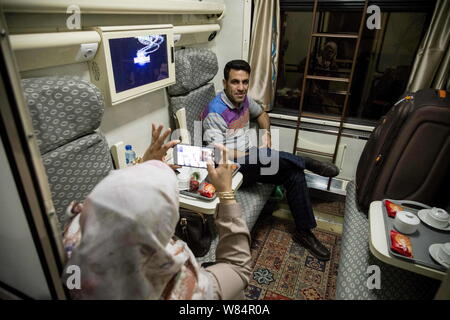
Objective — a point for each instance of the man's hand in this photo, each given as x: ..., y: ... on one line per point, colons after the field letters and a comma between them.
x: 264, y: 124
x: 266, y: 140
x: 157, y: 149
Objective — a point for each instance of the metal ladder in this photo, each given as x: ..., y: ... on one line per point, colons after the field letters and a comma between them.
x: 315, y: 34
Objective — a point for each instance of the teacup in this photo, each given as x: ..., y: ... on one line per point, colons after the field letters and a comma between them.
x: 406, y: 222
x: 438, y: 217
x: 443, y: 252
x: 184, y: 178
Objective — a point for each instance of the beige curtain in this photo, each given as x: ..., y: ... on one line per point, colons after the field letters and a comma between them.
x: 431, y: 66
x: 264, y: 51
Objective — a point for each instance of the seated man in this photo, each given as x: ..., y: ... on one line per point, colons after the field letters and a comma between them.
x: 226, y: 121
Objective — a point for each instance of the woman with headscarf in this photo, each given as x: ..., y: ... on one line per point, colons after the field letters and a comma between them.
x: 126, y: 249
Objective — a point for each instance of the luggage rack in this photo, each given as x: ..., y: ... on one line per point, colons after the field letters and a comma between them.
x: 348, y: 80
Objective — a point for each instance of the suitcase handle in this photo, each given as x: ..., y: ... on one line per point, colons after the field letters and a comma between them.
x: 415, y: 203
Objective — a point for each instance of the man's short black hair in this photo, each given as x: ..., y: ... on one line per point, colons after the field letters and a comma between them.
x: 235, y: 65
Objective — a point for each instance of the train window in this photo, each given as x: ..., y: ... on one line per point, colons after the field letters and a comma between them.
x: 382, y: 69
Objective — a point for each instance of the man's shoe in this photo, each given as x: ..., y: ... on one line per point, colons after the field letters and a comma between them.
x: 324, y: 169
x: 309, y: 241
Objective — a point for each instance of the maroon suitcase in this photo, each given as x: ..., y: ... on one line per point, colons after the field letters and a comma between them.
x: 407, y: 155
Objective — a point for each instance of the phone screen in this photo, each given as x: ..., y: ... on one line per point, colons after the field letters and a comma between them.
x: 193, y: 156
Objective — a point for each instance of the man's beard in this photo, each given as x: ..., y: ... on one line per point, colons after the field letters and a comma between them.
x: 233, y: 100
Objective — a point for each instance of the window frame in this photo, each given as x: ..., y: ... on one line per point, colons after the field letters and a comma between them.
x: 346, y: 5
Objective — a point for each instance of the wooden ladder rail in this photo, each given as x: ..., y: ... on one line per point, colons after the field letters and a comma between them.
x: 306, y: 76
x: 349, y: 86
x: 305, y: 73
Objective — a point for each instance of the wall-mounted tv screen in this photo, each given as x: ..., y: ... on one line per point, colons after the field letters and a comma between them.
x: 133, y: 61
x: 137, y: 61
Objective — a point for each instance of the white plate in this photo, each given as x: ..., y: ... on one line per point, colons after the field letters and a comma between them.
x: 424, y: 217
x: 433, y: 249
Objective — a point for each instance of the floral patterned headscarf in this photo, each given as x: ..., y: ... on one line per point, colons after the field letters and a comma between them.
x: 126, y: 250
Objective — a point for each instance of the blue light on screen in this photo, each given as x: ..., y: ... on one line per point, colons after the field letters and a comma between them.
x: 141, y: 59
x: 138, y: 61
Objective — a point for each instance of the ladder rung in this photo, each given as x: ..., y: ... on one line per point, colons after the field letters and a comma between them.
x: 336, y: 35
x: 319, y: 153
x: 339, y: 70
x: 344, y: 92
x: 327, y: 78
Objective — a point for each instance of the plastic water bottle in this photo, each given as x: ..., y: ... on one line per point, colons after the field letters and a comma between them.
x: 130, y: 155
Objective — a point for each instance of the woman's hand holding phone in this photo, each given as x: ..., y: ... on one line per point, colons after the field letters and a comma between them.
x: 221, y: 177
x: 157, y: 149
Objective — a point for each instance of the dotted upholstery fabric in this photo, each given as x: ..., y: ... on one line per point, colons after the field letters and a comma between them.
x: 65, y: 113
x: 194, y: 103
x: 193, y: 68
x: 62, y: 109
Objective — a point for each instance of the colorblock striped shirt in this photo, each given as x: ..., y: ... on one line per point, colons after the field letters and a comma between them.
x: 227, y: 124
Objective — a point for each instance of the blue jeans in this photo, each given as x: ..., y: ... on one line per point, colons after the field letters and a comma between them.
x: 289, y: 174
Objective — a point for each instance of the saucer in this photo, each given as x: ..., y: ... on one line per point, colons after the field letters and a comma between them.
x: 433, y: 249
x: 424, y: 217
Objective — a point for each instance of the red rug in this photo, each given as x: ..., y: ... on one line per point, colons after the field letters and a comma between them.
x: 283, y: 270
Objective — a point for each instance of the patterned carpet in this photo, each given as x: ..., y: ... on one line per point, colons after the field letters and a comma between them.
x: 283, y: 270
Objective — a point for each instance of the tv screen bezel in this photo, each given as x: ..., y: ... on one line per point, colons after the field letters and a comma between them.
x: 117, y: 97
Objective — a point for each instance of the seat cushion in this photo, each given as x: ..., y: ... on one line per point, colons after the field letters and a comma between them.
x: 194, y: 102
x: 252, y: 200
x: 194, y: 67
x: 62, y: 109
x: 74, y: 169
x: 355, y: 258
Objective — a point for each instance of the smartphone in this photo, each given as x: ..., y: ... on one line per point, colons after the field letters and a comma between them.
x: 194, y: 156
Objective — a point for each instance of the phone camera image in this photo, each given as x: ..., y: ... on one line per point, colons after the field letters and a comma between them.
x: 207, y: 155
x: 193, y: 156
